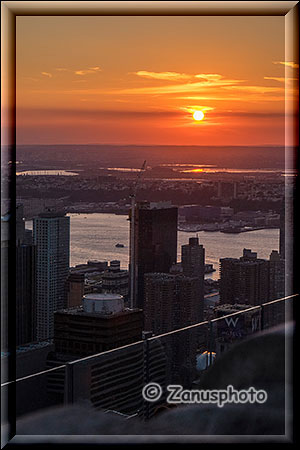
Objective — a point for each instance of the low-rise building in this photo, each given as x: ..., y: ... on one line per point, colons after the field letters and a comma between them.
x: 115, y: 280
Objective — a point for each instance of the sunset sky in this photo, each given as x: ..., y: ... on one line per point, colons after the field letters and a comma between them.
x: 138, y: 80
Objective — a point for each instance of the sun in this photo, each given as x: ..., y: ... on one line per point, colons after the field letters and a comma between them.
x: 198, y: 115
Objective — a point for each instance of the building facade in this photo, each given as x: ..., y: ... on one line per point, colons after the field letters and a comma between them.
x: 75, y: 289
x: 232, y: 330
x: 100, y: 324
x: 115, y: 280
x: 51, y: 234
x: 172, y: 302
x: 250, y: 280
x: 112, y: 381
x: 193, y: 265
x: 153, y: 243
x: 25, y: 282
x: 25, y: 294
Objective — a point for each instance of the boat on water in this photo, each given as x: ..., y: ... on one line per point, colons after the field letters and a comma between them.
x: 190, y: 229
x: 233, y: 230
x: 210, y: 227
x: 241, y: 229
x: 209, y: 268
x: 120, y: 245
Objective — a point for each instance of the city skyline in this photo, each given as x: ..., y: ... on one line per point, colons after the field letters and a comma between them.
x: 138, y: 80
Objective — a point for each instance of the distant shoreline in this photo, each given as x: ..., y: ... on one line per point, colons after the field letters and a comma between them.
x: 228, y: 232
x: 194, y: 230
x: 87, y: 212
x: 132, y: 155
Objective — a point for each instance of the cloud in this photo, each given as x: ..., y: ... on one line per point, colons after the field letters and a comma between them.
x: 288, y: 64
x: 280, y: 79
x: 47, y: 74
x: 208, y: 81
x: 210, y: 97
x: 61, y: 69
x: 96, y: 114
x: 209, y: 76
x: 254, y: 89
x: 253, y: 114
x: 178, y: 117
x: 192, y: 109
x: 215, y: 113
x: 170, y: 76
x: 87, y: 71
x: 175, y: 76
x: 195, y: 87
x: 230, y: 97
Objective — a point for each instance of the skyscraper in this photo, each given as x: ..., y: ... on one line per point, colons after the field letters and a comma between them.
x: 193, y: 265
x: 6, y: 251
x: 288, y: 236
x: 20, y: 224
x: 250, y: 280
x: 100, y: 324
x: 192, y: 258
x: 112, y: 381
x: 276, y: 276
x: 25, y: 294
x: 153, y: 244
x: 244, y: 280
x: 51, y: 233
x: 172, y: 302
x: 25, y: 282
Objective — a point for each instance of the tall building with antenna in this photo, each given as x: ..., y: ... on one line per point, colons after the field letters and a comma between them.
x: 133, y: 264
x: 153, y: 240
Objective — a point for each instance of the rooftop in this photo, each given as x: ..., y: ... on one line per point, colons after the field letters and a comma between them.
x: 29, y: 347
x: 229, y: 307
x: 156, y: 205
x: 51, y: 214
x: 103, y: 296
x: 78, y: 310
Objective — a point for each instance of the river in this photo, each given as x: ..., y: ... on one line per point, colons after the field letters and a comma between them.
x: 94, y: 236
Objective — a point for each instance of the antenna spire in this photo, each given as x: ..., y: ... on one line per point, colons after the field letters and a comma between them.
x: 133, y: 268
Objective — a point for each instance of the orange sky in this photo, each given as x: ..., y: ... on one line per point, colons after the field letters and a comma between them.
x: 138, y: 80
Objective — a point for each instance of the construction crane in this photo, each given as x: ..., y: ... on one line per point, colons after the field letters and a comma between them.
x: 133, y: 268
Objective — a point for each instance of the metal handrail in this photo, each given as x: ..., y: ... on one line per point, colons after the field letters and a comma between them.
x: 196, y: 325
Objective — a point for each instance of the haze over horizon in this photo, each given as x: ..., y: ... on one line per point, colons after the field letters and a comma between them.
x: 97, y: 156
